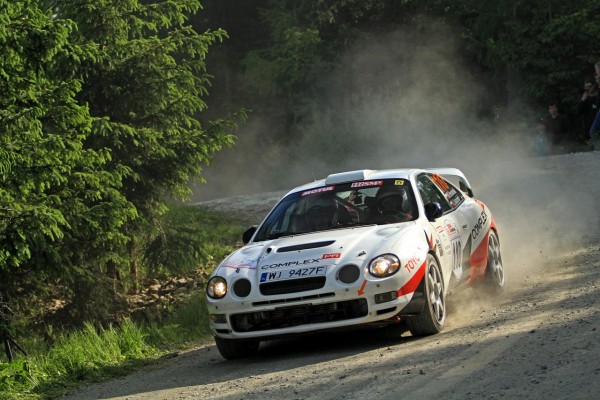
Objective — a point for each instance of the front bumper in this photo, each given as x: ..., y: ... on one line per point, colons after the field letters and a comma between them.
x: 309, y: 312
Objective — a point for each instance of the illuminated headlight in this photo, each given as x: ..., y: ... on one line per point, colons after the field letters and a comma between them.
x: 216, y: 287
x: 384, y: 265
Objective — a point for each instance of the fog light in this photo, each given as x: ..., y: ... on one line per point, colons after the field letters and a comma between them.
x: 217, y: 318
x: 349, y: 273
x: 385, y: 297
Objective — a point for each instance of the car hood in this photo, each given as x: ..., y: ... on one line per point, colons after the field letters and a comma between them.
x: 329, y: 248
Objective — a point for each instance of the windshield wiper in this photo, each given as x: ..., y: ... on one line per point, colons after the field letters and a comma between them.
x: 278, y: 235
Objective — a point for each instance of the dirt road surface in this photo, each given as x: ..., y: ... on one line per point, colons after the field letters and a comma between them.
x: 538, y: 340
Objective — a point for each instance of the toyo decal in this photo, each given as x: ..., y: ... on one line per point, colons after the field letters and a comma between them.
x: 413, y: 283
x: 412, y: 263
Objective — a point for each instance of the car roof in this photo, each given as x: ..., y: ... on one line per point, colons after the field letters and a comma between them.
x: 358, y: 175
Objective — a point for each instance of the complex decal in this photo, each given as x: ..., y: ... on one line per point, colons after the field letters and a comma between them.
x: 479, y: 225
x: 291, y: 263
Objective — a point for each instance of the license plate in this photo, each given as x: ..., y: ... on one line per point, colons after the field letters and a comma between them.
x: 296, y: 273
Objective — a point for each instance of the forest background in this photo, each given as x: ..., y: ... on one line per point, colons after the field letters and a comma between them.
x: 106, y: 129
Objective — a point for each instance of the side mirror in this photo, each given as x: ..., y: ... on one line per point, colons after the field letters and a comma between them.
x: 433, y: 211
x: 248, y: 233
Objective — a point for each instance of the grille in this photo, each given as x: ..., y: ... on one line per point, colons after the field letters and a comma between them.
x: 292, y: 286
x: 299, y: 315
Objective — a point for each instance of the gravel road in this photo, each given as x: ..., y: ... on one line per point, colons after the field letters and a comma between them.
x: 538, y: 340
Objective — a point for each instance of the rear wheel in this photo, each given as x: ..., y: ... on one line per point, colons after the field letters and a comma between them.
x: 494, y: 273
x: 433, y: 317
x: 232, y: 349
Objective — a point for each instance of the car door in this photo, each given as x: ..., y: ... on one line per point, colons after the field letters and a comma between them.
x: 451, y: 226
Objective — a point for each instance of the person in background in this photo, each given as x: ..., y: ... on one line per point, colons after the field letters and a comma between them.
x: 541, y: 140
x: 588, y: 107
x: 594, y: 132
x: 557, y: 129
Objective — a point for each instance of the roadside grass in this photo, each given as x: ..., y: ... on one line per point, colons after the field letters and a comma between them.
x: 94, y: 354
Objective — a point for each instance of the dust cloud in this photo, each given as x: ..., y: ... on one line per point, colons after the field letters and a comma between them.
x: 404, y: 100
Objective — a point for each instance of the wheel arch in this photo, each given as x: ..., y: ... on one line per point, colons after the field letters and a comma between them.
x: 417, y: 302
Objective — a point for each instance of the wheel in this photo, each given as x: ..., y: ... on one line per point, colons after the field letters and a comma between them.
x: 433, y: 317
x: 235, y: 348
x: 494, y: 271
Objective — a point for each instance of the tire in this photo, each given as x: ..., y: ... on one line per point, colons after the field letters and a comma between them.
x: 432, y: 318
x: 232, y: 349
x: 494, y: 270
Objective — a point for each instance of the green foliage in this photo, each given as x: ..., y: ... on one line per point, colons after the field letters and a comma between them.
x: 100, y: 125
x: 188, y: 237
x: 15, y: 377
x: 550, y: 44
x: 56, y: 196
x: 188, y: 323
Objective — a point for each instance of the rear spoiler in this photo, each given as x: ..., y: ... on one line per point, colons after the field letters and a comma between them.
x: 454, y: 176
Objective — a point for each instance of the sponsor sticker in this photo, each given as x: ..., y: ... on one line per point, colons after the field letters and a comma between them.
x: 366, y: 184
x: 399, y: 182
x: 308, y: 261
x: 451, y: 229
x: 319, y: 190
x: 246, y: 264
x: 479, y: 225
x: 331, y: 255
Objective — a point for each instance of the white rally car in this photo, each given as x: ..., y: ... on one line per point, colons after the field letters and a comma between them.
x: 359, y: 247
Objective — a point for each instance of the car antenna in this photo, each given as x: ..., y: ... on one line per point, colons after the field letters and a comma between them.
x: 314, y: 177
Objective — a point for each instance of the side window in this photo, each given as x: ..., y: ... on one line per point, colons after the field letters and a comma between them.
x: 452, y: 195
x: 431, y: 193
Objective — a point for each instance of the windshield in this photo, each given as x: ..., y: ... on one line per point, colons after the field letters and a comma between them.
x: 337, y: 207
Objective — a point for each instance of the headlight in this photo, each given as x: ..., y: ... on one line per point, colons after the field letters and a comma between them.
x: 216, y: 287
x: 384, y: 265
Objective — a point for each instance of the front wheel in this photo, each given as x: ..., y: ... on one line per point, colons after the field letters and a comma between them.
x: 232, y: 349
x: 433, y: 317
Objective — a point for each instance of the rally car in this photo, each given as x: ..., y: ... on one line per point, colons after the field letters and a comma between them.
x: 359, y: 247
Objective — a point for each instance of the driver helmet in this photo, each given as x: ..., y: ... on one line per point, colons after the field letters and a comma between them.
x: 321, y: 212
x: 391, y: 199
